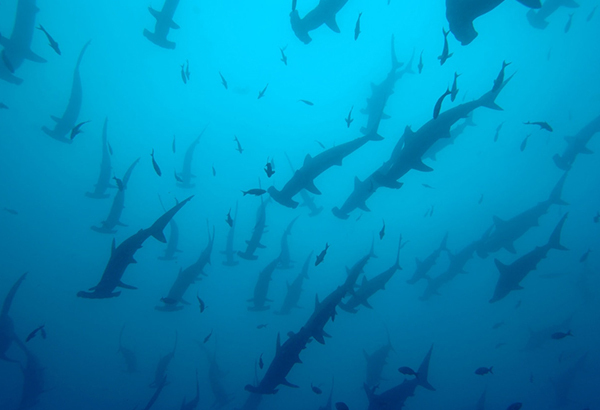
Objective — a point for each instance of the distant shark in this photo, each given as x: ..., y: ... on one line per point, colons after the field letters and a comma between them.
x: 17, y: 48
x: 259, y: 228
x: 461, y: 13
x: 123, y: 255
x: 324, y: 13
x: 577, y: 145
x: 537, y: 18
x: 164, y: 23
x: 186, y: 172
x: 512, y: 275
x: 7, y: 327
x: 294, y: 290
x: 259, y: 300
x: 186, y: 277
x: 229, y: 252
x: 395, y: 397
x: 376, y: 361
x: 103, y: 183
x: 65, y: 124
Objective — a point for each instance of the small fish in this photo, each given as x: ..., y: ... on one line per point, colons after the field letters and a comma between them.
x: 484, y: 370
x: 177, y: 178
x: 382, y: 232
x: 315, y: 389
x: 269, y: 169
x: 524, y: 143
x: 254, y: 191
x: 155, y: 165
x: 183, y: 76
x: 214, y: 171
x: 498, y: 128
x: 187, y: 69
x: 428, y: 186
x: 498, y: 325
x: 321, y: 256
x: 438, y: 104
x: 3, y: 106
x: 110, y: 150
x: 591, y: 15
x: 454, y: 91
x: 349, y: 119
x: 173, y: 147
x: 283, y: 56
x: 518, y: 304
x: 77, y: 129
x: 341, y: 405
x: 32, y: 334
x: 515, y: 406
x: 569, y: 22
x: 420, y: 66
x: 445, y: 54
x: 261, y: 364
x: 307, y: 102
x: 358, y: 217
x: 261, y: 326
x: 53, y: 43
x: 500, y: 79
x: 320, y: 144
x: 223, y: 81
x: 431, y: 212
x: 585, y: 256
x: 11, y: 211
x: 597, y: 218
x: 542, y: 124
x: 560, y: 335
x: 239, y: 146
x: 208, y: 337
x: 261, y: 94
x: 357, y: 27
x: 499, y: 345
x: 480, y: 199
x: 407, y: 371
x: 201, y: 304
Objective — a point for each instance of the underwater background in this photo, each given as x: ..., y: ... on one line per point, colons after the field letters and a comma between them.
x: 497, y: 187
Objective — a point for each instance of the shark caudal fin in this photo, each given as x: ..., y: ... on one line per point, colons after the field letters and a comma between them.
x: 554, y: 241
x: 423, y: 372
x: 555, y: 195
x: 156, y: 230
x: 11, y: 294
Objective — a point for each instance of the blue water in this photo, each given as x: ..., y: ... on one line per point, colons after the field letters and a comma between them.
x: 137, y: 86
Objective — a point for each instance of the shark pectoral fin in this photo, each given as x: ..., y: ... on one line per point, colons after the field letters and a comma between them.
x: 288, y: 384
x: 319, y: 338
x: 173, y: 25
x: 510, y: 247
x: 502, y: 268
x: 155, y: 13
x: 497, y: 221
x: 132, y: 260
x: 184, y: 302
x: 125, y: 286
x: 30, y: 55
x: 385, y: 116
x: 586, y: 150
x: 121, y: 224
x: 55, y: 118
x: 420, y: 166
x: 310, y: 187
x: 366, y: 304
x: 261, y: 246
x: 332, y: 24
x: 517, y: 287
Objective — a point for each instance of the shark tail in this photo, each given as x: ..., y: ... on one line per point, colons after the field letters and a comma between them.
x: 423, y: 372
x: 85, y: 46
x: 11, y: 294
x: 554, y: 241
x: 555, y: 195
